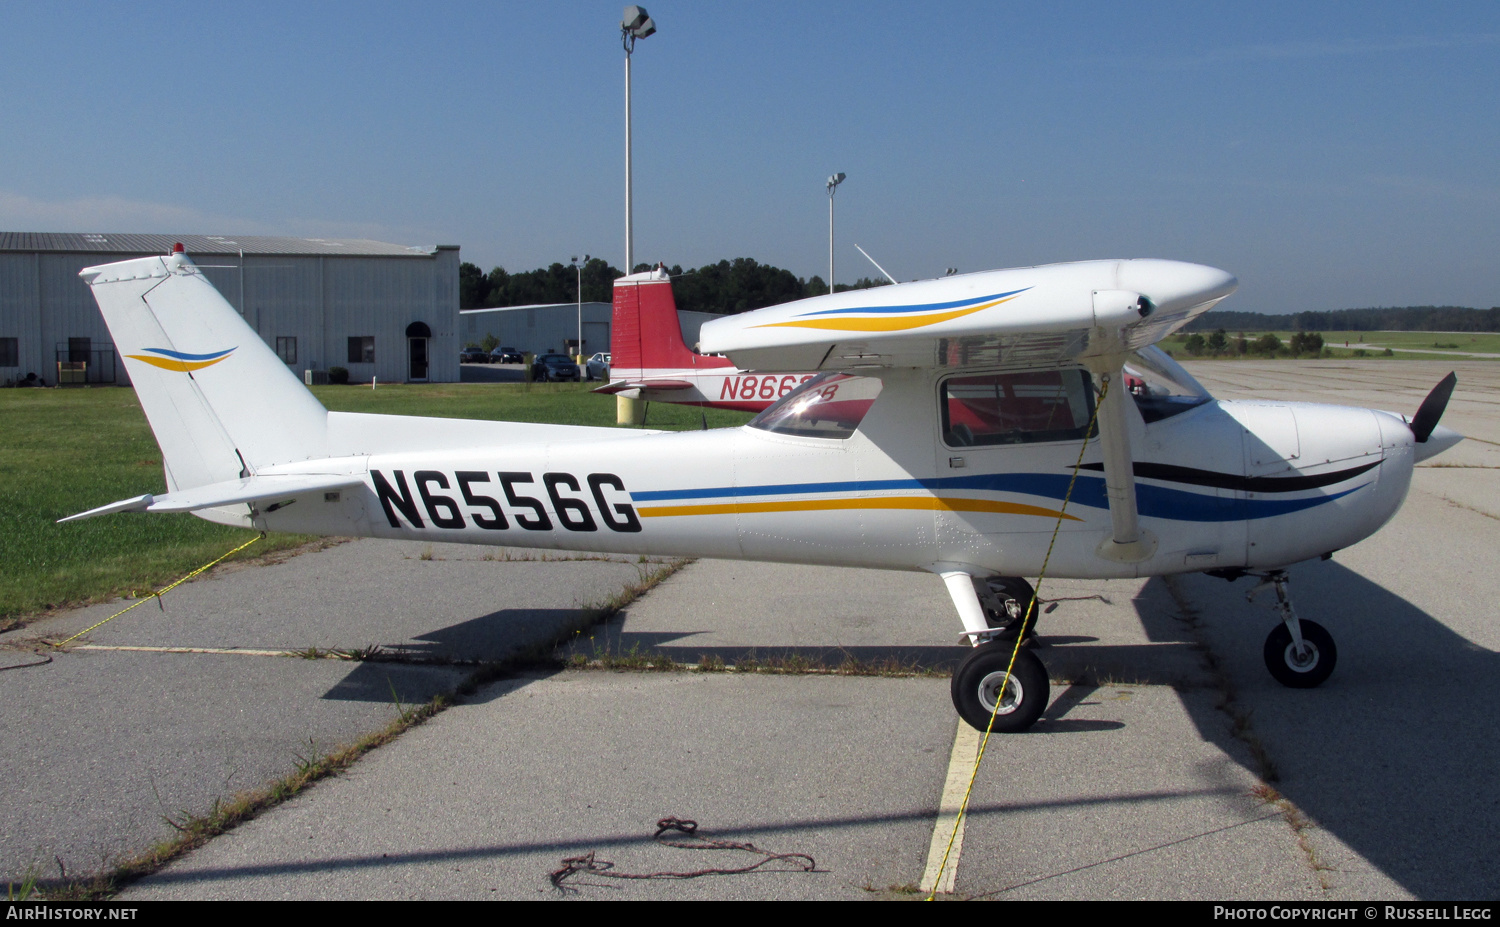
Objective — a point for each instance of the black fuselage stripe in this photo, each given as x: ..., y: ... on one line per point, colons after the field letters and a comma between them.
x: 1175, y: 474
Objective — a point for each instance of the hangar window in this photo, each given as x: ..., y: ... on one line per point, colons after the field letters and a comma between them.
x: 1017, y: 408
x: 830, y: 405
x: 362, y: 349
x: 286, y: 349
x: 10, y: 352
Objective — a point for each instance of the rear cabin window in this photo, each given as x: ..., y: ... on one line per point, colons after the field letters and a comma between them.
x: 1017, y: 408
x: 830, y: 405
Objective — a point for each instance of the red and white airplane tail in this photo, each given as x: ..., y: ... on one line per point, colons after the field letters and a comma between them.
x: 650, y: 360
x: 646, y: 337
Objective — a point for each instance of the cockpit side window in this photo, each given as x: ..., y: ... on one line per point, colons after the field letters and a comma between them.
x: 1159, y: 385
x: 1023, y: 407
x: 830, y: 405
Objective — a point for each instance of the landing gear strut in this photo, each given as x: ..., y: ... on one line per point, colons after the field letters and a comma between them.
x: 1300, y: 654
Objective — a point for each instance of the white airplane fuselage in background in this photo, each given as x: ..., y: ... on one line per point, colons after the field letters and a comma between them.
x: 940, y: 435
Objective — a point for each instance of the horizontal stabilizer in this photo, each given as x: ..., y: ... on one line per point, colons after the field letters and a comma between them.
x: 231, y: 492
x: 620, y: 386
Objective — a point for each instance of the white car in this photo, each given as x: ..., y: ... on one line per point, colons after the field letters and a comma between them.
x: 597, y: 367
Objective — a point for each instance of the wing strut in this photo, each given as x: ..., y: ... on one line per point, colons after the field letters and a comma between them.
x: 1129, y: 542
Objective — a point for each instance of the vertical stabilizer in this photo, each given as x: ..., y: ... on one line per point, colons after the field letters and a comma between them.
x: 219, y: 400
x: 646, y: 334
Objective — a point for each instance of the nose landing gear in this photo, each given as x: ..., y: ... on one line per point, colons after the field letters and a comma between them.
x: 1300, y: 654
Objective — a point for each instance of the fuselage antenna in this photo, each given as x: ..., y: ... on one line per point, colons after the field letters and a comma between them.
x: 877, y: 266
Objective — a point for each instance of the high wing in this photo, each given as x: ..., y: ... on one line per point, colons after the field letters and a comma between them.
x: 1030, y: 316
x: 1092, y: 313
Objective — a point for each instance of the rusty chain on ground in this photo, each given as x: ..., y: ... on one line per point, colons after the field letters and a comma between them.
x: 589, y: 862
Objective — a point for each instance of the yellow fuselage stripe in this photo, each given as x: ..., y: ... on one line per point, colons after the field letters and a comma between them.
x: 883, y: 324
x: 928, y: 503
x: 177, y: 365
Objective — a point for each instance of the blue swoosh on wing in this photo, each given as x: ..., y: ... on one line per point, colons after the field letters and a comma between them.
x: 179, y: 355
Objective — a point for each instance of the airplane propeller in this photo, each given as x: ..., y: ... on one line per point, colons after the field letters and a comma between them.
x: 1432, y: 409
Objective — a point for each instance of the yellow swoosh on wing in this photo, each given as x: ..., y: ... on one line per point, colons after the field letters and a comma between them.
x: 177, y: 365
x: 884, y: 323
x: 928, y: 503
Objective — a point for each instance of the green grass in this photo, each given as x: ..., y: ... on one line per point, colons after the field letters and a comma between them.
x: 557, y: 403
x: 1481, y: 342
x: 1408, y: 345
x: 63, y: 451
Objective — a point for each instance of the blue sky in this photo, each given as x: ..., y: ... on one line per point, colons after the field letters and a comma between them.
x: 1329, y: 154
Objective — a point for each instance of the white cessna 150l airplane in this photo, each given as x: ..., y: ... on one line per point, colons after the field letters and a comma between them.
x: 940, y: 434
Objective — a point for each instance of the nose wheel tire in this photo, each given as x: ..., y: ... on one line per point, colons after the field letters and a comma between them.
x: 1304, y: 670
x: 977, y: 686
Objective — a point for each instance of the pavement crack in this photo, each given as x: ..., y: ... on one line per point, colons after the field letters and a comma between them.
x: 1301, y: 826
x: 1239, y: 717
x: 1123, y: 856
x: 1241, y: 728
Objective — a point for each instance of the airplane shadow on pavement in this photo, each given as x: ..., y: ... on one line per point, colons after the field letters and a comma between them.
x: 1396, y: 755
x: 434, y: 662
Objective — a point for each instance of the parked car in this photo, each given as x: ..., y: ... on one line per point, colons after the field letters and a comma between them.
x: 504, y: 355
x: 554, y: 367
x: 597, y: 367
x: 473, y: 356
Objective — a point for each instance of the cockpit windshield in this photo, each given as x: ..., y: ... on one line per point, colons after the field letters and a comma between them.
x: 830, y: 405
x: 1159, y: 385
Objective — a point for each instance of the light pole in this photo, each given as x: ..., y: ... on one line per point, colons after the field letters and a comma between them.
x: 634, y: 24
x: 833, y: 185
x: 579, y: 268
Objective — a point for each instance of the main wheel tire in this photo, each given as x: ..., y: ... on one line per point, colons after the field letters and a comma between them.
x: 1015, y: 595
x: 977, y: 683
x: 1304, y: 671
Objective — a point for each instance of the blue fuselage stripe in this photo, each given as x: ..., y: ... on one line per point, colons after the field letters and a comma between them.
x: 1152, y: 501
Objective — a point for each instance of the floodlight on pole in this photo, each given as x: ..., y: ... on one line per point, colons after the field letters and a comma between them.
x: 833, y: 184
x: 579, y: 268
x: 636, y: 23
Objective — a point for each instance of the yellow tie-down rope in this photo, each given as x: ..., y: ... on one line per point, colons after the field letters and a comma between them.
x: 161, y: 592
x: 963, y: 806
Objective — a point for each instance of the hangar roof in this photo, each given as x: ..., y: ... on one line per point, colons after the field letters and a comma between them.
x: 140, y: 243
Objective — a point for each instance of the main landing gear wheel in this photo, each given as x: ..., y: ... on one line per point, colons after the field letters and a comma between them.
x: 1304, y: 670
x: 1015, y: 595
x: 977, y: 686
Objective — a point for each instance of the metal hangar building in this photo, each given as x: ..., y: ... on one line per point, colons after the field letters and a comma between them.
x: 379, y: 310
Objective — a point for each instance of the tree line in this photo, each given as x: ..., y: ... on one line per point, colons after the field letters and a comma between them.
x: 1394, y: 319
x: 1220, y: 344
x: 727, y: 287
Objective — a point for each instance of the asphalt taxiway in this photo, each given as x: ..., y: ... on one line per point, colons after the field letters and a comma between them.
x: 1169, y: 764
